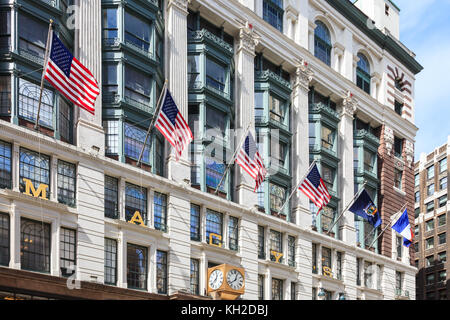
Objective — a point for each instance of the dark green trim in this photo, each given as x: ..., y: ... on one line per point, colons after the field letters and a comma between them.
x: 359, y: 19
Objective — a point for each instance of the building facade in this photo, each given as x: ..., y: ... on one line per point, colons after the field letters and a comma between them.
x: 431, y: 227
x: 316, y: 80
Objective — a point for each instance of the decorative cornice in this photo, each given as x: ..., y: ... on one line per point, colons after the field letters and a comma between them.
x: 267, y: 74
x: 202, y: 35
x: 388, y: 139
x: 409, y: 150
x: 248, y: 40
x: 349, y: 105
x: 364, y: 134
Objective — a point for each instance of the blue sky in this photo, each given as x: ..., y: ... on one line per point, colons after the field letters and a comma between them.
x: 425, y: 29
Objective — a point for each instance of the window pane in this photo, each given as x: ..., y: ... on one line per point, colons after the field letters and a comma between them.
x: 214, y: 173
x: 136, y: 267
x: 215, y: 75
x: 195, y: 277
x: 161, y: 272
x: 32, y: 36
x: 4, y: 239
x: 214, y: 221
x: 29, y: 100
x: 233, y: 233
x: 134, y: 141
x: 35, y: 245
x: 277, y: 289
x: 5, y: 165
x: 137, y: 32
x: 65, y: 121
x: 135, y: 200
x: 5, y: 89
x: 277, y: 197
x: 66, y: 182
x: 110, y: 261
x: 67, y: 252
x: 261, y: 243
x: 111, y: 197
x: 35, y: 167
x: 276, y: 245
x: 273, y: 13
x: 109, y: 23
x: 195, y: 222
x: 160, y: 211
x: 137, y: 88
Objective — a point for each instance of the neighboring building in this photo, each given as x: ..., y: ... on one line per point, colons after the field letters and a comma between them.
x: 314, y: 76
x: 431, y: 224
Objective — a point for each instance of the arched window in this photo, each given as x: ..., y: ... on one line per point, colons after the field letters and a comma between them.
x: 322, y: 43
x: 363, y: 73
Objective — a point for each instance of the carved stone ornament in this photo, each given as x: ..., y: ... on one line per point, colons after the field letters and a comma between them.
x: 388, y: 139
x: 349, y: 104
x: 303, y: 76
x: 248, y: 39
x: 409, y: 150
x: 181, y: 4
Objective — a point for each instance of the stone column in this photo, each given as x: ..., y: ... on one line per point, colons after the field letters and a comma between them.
x: 178, y: 205
x: 88, y: 50
x: 346, y: 174
x: 90, y: 137
x: 245, y: 114
x: 300, y: 125
x: 176, y: 73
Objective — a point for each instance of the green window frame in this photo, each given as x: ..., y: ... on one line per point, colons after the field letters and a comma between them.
x: 363, y: 73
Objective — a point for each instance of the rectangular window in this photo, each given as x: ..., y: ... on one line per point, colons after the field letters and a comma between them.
x: 215, y: 75
x: 276, y: 246
x: 214, y: 223
x: 260, y: 287
x: 134, y: 138
x: 137, y: 32
x: 277, y: 109
x: 161, y: 271
x: 29, y: 100
x: 326, y: 261
x: 398, y: 176
x: 442, y: 220
x: 214, y: 172
x: 5, y: 86
x: 416, y: 247
x: 277, y: 197
x: 327, y: 218
x: 4, y: 239
x: 291, y: 251
x: 429, y: 243
x: 442, y: 238
x: 66, y: 183
x: 32, y: 37
x: 233, y: 233
x: 339, y: 265
x: 417, y: 196
x: 398, y: 282
x: 259, y: 107
x: 160, y: 211
x: 358, y: 271
x: 399, y: 246
x: 67, y: 249
x: 5, y: 165
x: 430, y: 189
x: 110, y: 84
x: 314, y: 258
x: 293, y: 291
x: 273, y: 13
x: 416, y: 180
x: 111, y: 197
x: 5, y: 31
x: 328, y: 175
x: 429, y: 261
x: 277, y: 289
x: 429, y: 225
x: 135, y: 201
x: 328, y: 137
x: 416, y: 231
x: 442, y: 275
x: 194, y: 79
x: 416, y: 212
x: 109, y: 25
x: 443, y: 165
x: 430, y: 172
x: 442, y: 201
x: 138, y: 88
x: 137, y: 267
x: 368, y: 273
x: 195, y: 276
x: 379, y: 277
x: 369, y: 160
x: 442, y: 257
x: 398, y: 107
x: 36, y: 168
x: 110, y: 261
x: 430, y: 206
x: 398, y: 147
x: 111, y: 137
x: 261, y: 243
x: 195, y: 222
x: 216, y: 123
x: 443, y: 184
x: 65, y: 121
x: 34, y: 245
x: 430, y: 279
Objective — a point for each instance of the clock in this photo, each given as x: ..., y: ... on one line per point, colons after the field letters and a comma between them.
x: 235, y: 279
x: 215, y: 279
x: 226, y: 282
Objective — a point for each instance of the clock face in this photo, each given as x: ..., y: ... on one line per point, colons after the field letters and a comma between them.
x: 235, y: 279
x: 215, y: 279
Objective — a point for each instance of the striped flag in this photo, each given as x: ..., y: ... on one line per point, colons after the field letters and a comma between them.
x: 315, y: 189
x: 70, y: 77
x: 172, y: 125
x: 250, y: 160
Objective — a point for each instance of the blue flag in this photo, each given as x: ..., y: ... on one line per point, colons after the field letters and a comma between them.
x: 403, y: 227
x: 365, y: 208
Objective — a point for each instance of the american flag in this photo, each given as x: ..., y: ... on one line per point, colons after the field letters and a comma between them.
x: 172, y: 125
x: 70, y: 77
x: 250, y: 160
x: 315, y: 189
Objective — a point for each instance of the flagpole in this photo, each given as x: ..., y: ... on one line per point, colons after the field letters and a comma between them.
x: 293, y: 191
x: 47, y: 51
x: 234, y: 155
x: 347, y: 207
x: 158, y: 107
x: 401, y: 212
